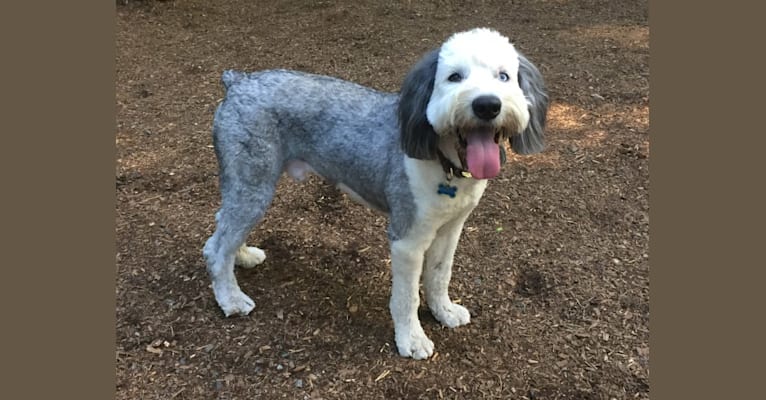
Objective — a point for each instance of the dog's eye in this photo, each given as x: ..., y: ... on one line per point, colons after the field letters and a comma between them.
x: 455, y: 77
x: 503, y: 77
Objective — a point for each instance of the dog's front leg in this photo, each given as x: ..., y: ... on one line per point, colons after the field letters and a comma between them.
x: 406, y: 266
x: 437, y: 274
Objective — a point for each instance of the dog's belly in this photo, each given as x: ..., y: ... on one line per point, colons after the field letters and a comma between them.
x: 357, y: 198
x: 299, y: 171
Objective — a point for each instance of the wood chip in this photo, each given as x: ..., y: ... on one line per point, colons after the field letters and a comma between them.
x: 206, y: 347
x: 382, y: 375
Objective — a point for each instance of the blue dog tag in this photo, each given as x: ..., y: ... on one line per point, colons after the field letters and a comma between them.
x: 447, y: 189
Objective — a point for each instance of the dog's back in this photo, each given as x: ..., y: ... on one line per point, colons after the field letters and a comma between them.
x: 345, y: 132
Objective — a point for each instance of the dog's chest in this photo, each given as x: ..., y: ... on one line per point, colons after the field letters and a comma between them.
x: 438, y: 199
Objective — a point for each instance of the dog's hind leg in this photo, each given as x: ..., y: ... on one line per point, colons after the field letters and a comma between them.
x: 233, y: 224
x: 247, y: 188
x: 249, y: 256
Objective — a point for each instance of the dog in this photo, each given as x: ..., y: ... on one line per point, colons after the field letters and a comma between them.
x: 422, y: 156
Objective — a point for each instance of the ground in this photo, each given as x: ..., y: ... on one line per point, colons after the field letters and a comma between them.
x: 553, y: 264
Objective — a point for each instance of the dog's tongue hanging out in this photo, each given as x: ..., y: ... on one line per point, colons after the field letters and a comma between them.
x: 482, y: 154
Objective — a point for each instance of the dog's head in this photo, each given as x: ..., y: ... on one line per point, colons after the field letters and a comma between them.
x: 471, y: 93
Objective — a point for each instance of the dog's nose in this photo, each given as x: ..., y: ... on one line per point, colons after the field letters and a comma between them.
x: 486, y: 107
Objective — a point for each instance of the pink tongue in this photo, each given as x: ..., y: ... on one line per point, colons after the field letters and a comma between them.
x: 482, y: 155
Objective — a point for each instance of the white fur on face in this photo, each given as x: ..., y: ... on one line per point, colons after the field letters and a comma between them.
x: 479, y: 56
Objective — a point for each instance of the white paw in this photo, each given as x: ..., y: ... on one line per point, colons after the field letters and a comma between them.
x: 235, y: 303
x: 249, y: 257
x: 451, y: 315
x: 415, y: 344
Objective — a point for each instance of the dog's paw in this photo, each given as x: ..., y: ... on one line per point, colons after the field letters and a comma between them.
x: 249, y: 257
x: 451, y: 315
x: 235, y: 303
x: 415, y: 344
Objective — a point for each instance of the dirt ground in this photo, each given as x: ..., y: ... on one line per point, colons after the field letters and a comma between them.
x: 553, y: 264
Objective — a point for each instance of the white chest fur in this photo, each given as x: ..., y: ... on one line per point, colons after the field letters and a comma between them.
x: 437, y: 209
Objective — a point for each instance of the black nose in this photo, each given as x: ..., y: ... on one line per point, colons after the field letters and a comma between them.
x: 486, y: 107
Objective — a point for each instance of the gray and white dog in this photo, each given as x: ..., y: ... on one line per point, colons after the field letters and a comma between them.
x: 423, y: 157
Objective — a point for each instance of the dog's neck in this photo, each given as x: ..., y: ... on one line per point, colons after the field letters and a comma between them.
x: 449, y: 167
x: 449, y: 160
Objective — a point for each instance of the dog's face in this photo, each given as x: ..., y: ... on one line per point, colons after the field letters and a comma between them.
x: 476, y: 89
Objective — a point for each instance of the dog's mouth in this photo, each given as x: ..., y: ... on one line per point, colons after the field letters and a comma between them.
x: 479, y: 151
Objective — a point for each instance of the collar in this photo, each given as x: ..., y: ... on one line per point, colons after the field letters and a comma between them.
x: 451, y: 169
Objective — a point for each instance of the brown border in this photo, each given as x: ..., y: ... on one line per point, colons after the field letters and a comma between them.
x: 704, y: 306
x: 58, y: 174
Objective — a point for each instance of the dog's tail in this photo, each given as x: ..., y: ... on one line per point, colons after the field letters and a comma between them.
x: 231, y: 77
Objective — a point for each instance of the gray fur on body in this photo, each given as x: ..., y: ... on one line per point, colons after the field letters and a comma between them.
x: 346, y: 132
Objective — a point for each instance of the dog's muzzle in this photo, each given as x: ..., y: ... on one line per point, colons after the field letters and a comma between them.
x: 477, y: 145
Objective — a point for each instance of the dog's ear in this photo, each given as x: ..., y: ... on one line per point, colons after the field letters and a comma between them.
x: 418, y: 138
x: 531, y: 140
